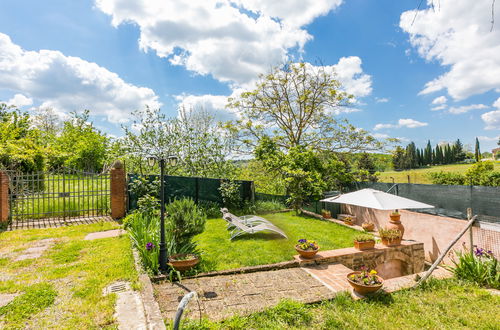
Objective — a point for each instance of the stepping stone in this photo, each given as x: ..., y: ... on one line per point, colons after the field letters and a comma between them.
x: 36, y: 250
x: 105, y: 234
x: 129, y: 311
x: 6, y: 298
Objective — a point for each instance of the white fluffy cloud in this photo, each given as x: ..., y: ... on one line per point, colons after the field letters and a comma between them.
x: 69, y: 83
x: 439, y: 107
x: 457, y: 35
x: 492, y: 118
x: 408, y: 123
x: 466, y: 108
x: 215, y: 104
x: 440, y: 100
x: 19, y: 100
x: 233, y: 41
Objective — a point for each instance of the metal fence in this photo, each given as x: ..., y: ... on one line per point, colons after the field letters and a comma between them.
x: 57, y: 195
x: 198, y: 189
x: 449, y: 200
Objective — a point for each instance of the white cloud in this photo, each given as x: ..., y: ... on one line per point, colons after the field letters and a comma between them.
x: 488, y: 139
x: 381, y: 99
x: 466, y: 108
x: 380, y: 136
x: 350, y: 74
x: 458, y: 37
x: 68, y: 83
x: 439, y: 107
x: 408, y: 123
x: 492, y: 118
x: 233, y: 41
x: 19, y: 100
x: 440, y: 100
x: 214, y: 104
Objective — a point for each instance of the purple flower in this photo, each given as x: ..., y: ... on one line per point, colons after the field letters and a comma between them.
x: 150, y: 246
x: 302, y: 240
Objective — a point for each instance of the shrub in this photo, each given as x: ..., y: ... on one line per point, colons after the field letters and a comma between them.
x: 480, y: 267
x: 185, y: 220
x: 230, y: 192
x: 269, y: 206
x: 211, y: 209
x: 145, y: 234
x: 447, y: 178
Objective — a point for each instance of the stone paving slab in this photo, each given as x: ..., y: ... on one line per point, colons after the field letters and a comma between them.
x: 36, y: 250
x: 105, y: 234
x: 221, y: 297
x: 333, y: 276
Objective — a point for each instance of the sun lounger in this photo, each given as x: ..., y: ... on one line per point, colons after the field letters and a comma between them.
x: 240, y: 227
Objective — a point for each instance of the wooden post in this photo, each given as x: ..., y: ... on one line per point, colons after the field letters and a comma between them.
x: 118, y: 190
x: 469, y: 216
x: 4, y: 197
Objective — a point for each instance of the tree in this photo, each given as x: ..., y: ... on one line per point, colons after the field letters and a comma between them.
x: 80, y: 145
x: 428, y: 154
x: 294, y: 106
x: 398, y: 158
x: 194, y: 136
x: 477, y: 151
x: 365, y: 162
x: 459, y: 152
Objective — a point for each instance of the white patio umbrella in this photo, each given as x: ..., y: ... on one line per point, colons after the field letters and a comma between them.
x: 376, y: 199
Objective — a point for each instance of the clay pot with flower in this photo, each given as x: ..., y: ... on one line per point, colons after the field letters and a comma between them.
x: 183, y: 261
x: 365, y: 281
x: 306, y: 248
x: 326, y: 214
x: 364, y: 242
x: 390, y: 237
x: 348, y: 220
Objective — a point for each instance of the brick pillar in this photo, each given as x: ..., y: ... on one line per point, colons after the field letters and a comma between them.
x: 118, y: 190
x: 4, y: 197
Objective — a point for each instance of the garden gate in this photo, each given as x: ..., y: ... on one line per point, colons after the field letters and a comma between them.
x: 55, y: 196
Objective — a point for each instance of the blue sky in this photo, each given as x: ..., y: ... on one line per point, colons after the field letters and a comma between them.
x: 437, y: 79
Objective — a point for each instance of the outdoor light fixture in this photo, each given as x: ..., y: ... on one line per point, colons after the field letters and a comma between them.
x: 172, y: 161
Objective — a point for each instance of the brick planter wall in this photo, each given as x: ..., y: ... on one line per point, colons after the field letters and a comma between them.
x: 405, y: 259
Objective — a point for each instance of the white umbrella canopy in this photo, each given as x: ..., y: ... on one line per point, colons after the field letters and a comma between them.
x: 376, y: 199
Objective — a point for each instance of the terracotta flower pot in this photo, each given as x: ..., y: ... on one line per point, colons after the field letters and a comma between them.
x: 326, y: 215
x: 368, y: 226
x: 364, y: 289
x: 182, y: 264
x: 395, y: 217
x: 396, y: 224
x: 349, y: 222
x: 308, y: 254
x: 392, y: 242
x: 367, y: 245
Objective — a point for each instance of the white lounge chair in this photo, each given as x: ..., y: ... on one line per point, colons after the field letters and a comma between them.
x: 249, y: 220
x: 239, y: 227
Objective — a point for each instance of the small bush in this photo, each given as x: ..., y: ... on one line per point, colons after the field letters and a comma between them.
x: 211, y: 209
x: 230, y: 192
x: 480, y: 267
x: 447, y: 178
x: 185, y: 220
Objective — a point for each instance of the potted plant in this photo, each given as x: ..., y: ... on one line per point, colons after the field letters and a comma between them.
x: 306, y: 248
x: 348, y: 220
x: 326, y: 214
x: 364, y: 281
x: 364, y: 242
x: 395, y: 216
x: 368, y: 226
x: 390, y: 237
x: 183, y: 261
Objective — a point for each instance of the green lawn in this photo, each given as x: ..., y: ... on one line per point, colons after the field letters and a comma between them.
x: 443, y: 304
x: 62, y: 289
x: 421, y: 175
x: 263, y: 248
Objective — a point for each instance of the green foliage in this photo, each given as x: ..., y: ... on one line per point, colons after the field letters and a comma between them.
x: 264, y: 180
x: 364, y: 238
x: 480, y: 173
x: 80, y: 145
x: 194, y: 136
x: 185, y: 220
x: 230, y: 192
x: 211, y: 209
x: 480, y: 267
x: 389, y: 234
x: 145, y: 235
x: 35, y: 299
x: 291, y: 105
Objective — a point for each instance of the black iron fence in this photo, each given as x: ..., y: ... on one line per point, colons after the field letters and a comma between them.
x: 62, y: 194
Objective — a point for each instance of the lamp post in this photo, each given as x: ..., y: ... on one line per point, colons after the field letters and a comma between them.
x: 172, y: 161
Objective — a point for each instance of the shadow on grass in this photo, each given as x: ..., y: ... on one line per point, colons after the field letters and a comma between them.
x: 259, y: 236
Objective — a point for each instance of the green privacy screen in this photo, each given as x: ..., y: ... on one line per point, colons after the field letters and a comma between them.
x: 198, y: 189
x: 449, y: 200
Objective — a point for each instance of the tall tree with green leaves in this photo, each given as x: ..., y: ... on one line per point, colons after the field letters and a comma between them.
x: 428, y: 154
x: 477, y: 151
x: 295, y: 105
